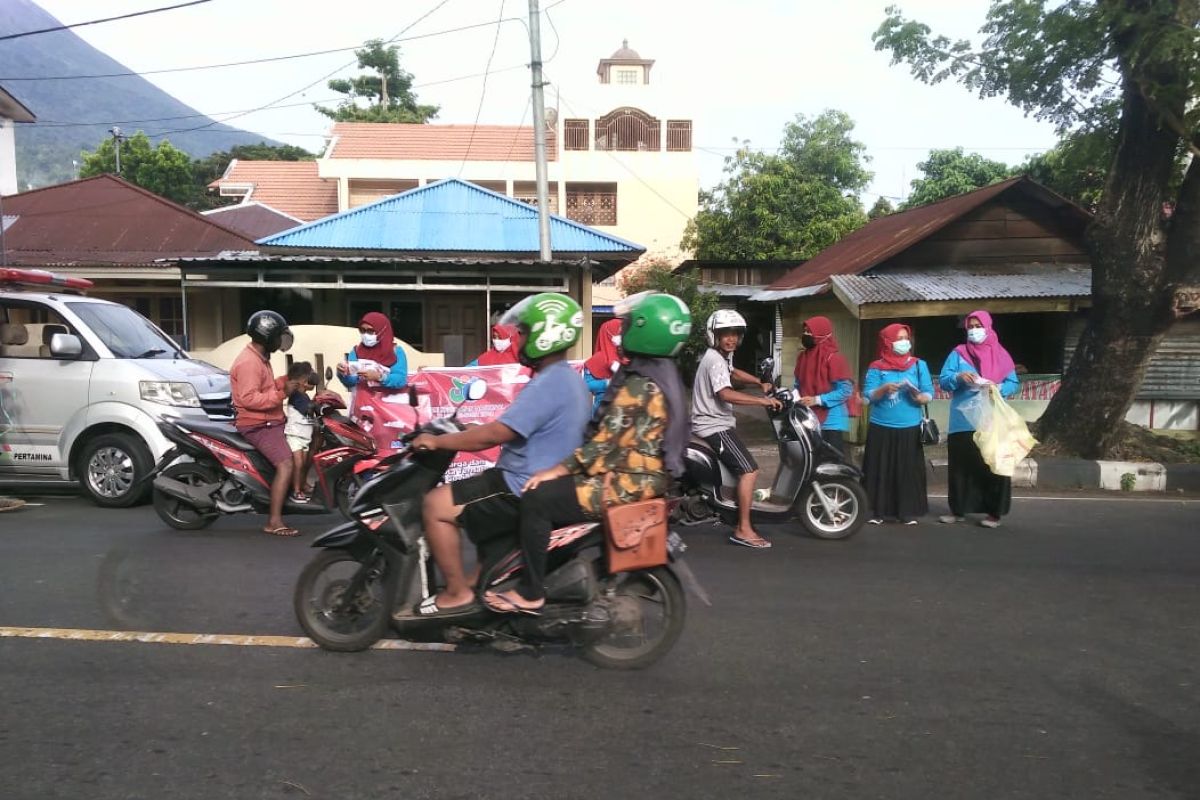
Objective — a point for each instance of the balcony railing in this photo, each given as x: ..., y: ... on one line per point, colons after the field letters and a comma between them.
x: 592, y: 208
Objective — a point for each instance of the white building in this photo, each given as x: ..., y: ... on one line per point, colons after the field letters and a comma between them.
x: 12, y: 111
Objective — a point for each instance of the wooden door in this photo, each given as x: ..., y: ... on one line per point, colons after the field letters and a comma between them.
x: 455, y: 324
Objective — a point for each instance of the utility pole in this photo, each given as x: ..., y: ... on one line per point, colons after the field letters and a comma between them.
x: 117, y: 139
x: 539, y: 131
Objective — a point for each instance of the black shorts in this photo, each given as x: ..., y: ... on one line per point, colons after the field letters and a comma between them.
x: 732, y: 452
x: 490, y: 509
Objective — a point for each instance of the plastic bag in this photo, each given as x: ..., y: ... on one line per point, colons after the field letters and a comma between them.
x: 978, y: 410
x: 1005, y: 440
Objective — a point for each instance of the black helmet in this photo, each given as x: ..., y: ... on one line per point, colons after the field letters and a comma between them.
x: 269, y: 329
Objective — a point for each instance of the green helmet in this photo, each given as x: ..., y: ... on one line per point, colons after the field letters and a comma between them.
x: 655, y: 324
x: 549, y: 323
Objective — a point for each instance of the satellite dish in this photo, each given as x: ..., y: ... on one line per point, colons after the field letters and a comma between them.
x: 551, y: 117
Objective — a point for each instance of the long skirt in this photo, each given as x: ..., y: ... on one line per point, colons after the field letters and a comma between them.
x: 894, y: 473
x: 974, y: 488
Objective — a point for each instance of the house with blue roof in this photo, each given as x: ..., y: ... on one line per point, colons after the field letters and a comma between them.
x: 443, y: 261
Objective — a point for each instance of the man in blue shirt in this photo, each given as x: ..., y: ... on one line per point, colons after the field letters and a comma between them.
x: 541, y: 428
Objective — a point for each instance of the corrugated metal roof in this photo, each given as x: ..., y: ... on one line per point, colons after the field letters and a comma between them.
x: 254, y: 220
x: 1173, y: 371
x: 892, y: 287
x: 888, y: 236
x: 255, y: 257
x: 449, y: 216
x: 106, y: 220
x: 412, y: 142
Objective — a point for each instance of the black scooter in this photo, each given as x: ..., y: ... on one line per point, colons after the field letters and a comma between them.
x: 813, y: 482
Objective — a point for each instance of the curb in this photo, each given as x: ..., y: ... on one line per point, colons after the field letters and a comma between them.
x: 1055, y: 473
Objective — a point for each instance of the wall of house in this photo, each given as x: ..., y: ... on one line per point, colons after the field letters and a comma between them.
x: 8, y: 157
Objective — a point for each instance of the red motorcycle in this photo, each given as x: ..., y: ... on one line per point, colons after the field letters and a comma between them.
x: 227, y: 475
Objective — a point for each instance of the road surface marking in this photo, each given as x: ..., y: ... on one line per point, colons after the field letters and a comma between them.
x: 146, y: 637
x: 1160, y: 497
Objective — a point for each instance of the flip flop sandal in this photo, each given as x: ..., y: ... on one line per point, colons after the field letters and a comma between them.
x: 429, y: 608
x: 282, y: 530
x: 502, y: 605
x: 761, y: 544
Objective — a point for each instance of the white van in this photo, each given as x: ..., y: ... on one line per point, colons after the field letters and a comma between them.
x: 82, y: 383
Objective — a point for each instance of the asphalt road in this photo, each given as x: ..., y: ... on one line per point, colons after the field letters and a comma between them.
x: 1055, y: 657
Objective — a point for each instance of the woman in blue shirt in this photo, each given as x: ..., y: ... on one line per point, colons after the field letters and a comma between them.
x: 824, y: 381
x: 389, y: 367
x: 897, y: 386
x: 974, y: 488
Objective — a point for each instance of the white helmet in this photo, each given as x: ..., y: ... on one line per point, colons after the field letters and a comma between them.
x: 724, y: 319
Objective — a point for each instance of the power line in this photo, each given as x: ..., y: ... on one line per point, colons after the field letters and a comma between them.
x: 483, y: 91
x: 106, y: 19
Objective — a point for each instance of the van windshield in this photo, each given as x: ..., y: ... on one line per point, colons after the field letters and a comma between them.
x: 125, y: 332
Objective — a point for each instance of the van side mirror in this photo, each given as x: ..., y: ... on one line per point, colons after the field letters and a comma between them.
x: 65, y: 346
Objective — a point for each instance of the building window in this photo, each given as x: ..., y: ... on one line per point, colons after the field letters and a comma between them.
x: 526, y: 192
x: 679, y: 135
x: 575, y: 134
x: 592, y: 203
x: 627, y: 76
x: 628, y: 129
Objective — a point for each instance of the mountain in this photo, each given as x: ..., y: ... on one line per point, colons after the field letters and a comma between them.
x: 45, y: 149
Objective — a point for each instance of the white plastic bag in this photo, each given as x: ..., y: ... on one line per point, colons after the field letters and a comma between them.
x: 1006, y: 439
x: 978, y: 409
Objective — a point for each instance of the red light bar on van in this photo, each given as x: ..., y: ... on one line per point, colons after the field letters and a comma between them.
x: 40, y: 277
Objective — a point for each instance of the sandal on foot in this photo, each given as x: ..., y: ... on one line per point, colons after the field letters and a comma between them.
x: 875, y: 521
x: 950, y: 519
x: 298, y: 497
x: 503, y: 604
x: 282, y: 530
x: 759, y: 544
x: 429, y: 608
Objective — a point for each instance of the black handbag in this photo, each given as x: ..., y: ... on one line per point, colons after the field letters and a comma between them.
x: 929, y: 428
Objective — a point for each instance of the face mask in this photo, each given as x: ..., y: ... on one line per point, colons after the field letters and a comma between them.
x: 370, y: 339
x: 976, y: 335
x: 901, y: 347
x: 808, y: 340
x: 616, y: 340
x: 501, y: 344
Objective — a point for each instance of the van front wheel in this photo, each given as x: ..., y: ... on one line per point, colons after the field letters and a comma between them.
x: 110, y: 468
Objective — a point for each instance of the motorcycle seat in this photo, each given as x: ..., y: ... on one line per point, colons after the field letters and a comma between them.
x: 221, y: 431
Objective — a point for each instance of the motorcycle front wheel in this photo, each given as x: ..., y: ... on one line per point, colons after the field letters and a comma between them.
x: 344, y: 627
x: 846, y: 513
x: 648, y: 610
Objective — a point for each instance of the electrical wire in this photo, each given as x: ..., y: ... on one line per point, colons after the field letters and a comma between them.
x: 106, y: 19
x: 483, y: 91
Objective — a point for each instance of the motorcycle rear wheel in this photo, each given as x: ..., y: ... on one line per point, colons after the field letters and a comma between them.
x: 629, y: 645
x: 319, y: 590
x: 850, y: 509
x: 175, y: 512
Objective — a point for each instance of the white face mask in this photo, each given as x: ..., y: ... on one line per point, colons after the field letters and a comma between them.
x: 501, y: 344
x: 901, y: 347
x: 370, y: 339
x: 616, y: 340
x: 976, y: 335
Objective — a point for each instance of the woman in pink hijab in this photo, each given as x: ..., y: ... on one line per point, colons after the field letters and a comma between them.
x: 599, y: 369
x: 979, y: 361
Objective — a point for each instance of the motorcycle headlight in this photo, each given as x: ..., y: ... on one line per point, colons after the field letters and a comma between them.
x: 170, y: 393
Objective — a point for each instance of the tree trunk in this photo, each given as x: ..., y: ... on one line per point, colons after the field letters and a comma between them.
x: 1135, y: 272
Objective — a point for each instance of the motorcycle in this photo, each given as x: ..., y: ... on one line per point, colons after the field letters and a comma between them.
x: 375, y: 569
x: 227, y: 475
x: 813, y: 480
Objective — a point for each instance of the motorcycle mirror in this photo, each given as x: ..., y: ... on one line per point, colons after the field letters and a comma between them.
x: 766, y: 370
x: 328, y: 374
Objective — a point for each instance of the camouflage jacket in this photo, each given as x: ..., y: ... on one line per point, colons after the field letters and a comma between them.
x: 623, y: 462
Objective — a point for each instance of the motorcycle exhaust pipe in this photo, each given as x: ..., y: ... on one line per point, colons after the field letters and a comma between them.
x: 199, y: 497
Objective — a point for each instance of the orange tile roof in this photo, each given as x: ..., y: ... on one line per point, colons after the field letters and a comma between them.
x: 288, y: 186
x: 436, y: 142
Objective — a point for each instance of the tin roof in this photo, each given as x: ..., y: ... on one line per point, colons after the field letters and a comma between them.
x: 451, y: 216
x: 14, y: 109
x: 253, y: 219
x: 293, y: 187
x: 106, y: 220
x: 894, y: 287
x: 413, y: 142
x: 883, y: 238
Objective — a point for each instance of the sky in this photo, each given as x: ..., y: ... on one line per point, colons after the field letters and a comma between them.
x: 745, y: 68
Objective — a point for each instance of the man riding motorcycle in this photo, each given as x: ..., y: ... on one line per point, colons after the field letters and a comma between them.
x: 633, y: 445
x: 541, y: 428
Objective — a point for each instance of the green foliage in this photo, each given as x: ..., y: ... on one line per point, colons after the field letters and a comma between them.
x: 1077, y: 166
x: 882, y: 208
x: 951, y: 172
x: 162, y: 169
x: 790, y: 205
x: 387, y: 90
x: 1128, y: 481
x: 656, y: 275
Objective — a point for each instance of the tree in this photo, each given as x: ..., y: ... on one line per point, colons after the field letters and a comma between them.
x: 1069, y: 63
x: 163, y: 169
x: 790, y: 205
x: 387, y: 90
x: 208, y: 169
x: 656, y: 275
x: 1077, y: 166
x: 951, y: 172
x: 882, y: 208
